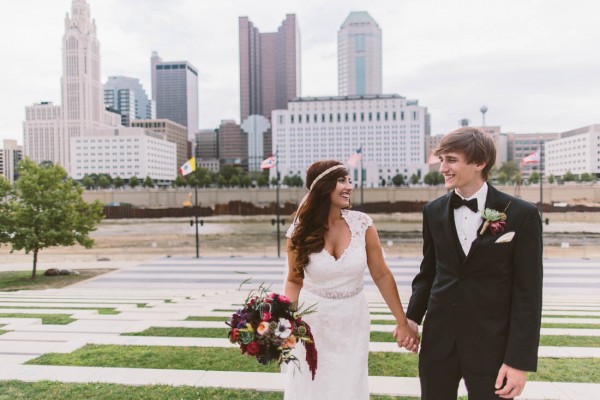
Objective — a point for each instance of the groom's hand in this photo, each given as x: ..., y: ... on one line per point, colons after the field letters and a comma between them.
x: 407, y: 336
x: 515, y: 382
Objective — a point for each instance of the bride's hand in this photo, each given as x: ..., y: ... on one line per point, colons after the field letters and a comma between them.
x: 407, y: 336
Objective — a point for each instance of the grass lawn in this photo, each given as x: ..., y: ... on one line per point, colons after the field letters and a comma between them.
x: 110, y: 311
x: 21, y: 280
x: 572, y: 316
x: 17, y: 390
x: 570, y: 341
x: 226, y: 359
x: 50, y: 319
x: 182, y: 332
x: 573, y: 326
x: 383, y: 322
x: 195, y: 318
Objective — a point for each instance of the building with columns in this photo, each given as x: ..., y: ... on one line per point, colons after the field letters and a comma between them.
x: 48, y: 129
x: 389, y: 128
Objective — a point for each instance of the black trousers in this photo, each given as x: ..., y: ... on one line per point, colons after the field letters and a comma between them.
x: 440, y: 379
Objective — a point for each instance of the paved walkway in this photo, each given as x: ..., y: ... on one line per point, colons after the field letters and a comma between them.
x: 173, y: 289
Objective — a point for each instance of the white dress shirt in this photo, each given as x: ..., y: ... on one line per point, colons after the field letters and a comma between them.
x: 467, y: 222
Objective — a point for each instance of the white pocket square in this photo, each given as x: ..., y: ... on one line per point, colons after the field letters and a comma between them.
x: 507, y: 237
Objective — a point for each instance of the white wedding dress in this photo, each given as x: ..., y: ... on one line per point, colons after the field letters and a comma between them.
x: 341, y: 325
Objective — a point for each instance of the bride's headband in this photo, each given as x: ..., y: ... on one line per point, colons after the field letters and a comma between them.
x: 322, y: 174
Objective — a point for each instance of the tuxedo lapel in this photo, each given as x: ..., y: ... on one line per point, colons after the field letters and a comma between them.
x: 450, y: 226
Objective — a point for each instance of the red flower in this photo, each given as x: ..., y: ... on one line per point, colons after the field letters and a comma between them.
x: 252, y: 348
x: 284, y: 299
x: 234, y: 334
x: 497, y: 227
x: 266, y: 316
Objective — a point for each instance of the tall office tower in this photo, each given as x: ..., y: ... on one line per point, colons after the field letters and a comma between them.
x: 10, y: 155
x: 269, y: 67
x: 359, y: 55
x: 127, y: 96
x: 48, y: 129
x: 175, y: 91
x: 207, y: 149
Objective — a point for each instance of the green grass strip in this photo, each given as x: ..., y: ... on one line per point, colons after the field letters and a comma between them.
x: 571, y: 326
x: 182, y: 332
x: 49, y: 319
x: 570, y: 341
x: 579, y: 370
x: 383, y: 322
x: 18, y: 390
x: 231, y: 310
x: 109, y: 311
x: 573, y: 316
x: 196, y: 318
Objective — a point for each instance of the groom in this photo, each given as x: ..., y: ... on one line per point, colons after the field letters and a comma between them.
x: 481, y: 287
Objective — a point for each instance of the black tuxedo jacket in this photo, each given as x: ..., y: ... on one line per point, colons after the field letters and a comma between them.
x: 486, y: 303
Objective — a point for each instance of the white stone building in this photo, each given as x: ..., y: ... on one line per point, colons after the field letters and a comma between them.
x: 10, y: 155
x: 577, y: 151
x: 124, y: 152
x: 389, y: 129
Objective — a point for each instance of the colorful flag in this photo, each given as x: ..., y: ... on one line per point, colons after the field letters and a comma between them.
x: 355, y: 158
x: 268, y: 162
x: 533, y: 158
x: 188, y: 167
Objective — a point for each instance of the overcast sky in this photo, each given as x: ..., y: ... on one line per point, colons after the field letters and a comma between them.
x: 534, y: 63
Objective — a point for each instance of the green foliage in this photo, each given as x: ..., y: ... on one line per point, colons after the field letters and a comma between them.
x: 433, y: 178
x: 234, y: 181
x: 49, y: 319
x: 293, y: 181
x: 88, y: 182
x: 118, y: 182
x: 103, y: 181
x: 398, y: 180
x: 414, y: 179
x: 45, y: 208
x: 510, y: 169
x: 534, y: 178
x: 228, y: 171
x: 245, y: 181
x: 221, y: 181
x: 587, y: 177
x: 148, y: 182
x: 502, y: 178
x: 551, y: 179
x: 134, y: 182
x: 262, y: 180
x: 568, y: 177
x: 183, y: 332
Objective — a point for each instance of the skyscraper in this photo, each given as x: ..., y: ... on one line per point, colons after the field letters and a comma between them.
x: 359, y: 55
x: 48, y: 129
x: 10, y: 156
x: 175, y: 91
x: 127, y: 96
x: 269, y: 67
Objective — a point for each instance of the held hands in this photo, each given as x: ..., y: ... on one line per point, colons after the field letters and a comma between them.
x: 407, y: 336
x: 515, y: 382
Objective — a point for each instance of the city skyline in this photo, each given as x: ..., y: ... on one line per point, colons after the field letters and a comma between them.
x: 532, y: 64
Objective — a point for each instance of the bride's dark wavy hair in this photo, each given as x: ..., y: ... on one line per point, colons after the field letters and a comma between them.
x: 311, y: 217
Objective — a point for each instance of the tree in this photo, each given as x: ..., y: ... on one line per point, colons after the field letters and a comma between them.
x: 134, y: 182
x: 398, y: 180
x: 221, y: 181
x: 433, y: 178
x: 551, y: 179
x: 414, y: 179
x: 262, y: 180
x: 148, y: 182
x: 87, y: 182
x: 180, y: 181
x: 502, y: 178
x: 534, y: 178
x: 510, y: 168
x: 568, y: 177
x: 46, y: 209
x: 383, y: 182
x: 103, y: 181
x: 206, y: 181
x: 118, y: 182
x: 245, y: 181
x: 587, y: 177
x: 234, y: 181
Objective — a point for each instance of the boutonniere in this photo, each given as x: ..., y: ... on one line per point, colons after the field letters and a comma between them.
x: 496, y: 220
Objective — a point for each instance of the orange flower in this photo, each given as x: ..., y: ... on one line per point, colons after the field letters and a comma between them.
x: 290, y: 342
x: 263, y: 328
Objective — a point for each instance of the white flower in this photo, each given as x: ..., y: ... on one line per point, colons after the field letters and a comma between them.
x: 284, y: 328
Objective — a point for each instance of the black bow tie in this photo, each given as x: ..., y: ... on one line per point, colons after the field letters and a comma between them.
x: 458, y: 201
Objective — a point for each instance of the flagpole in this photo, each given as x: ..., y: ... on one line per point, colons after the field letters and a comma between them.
x: 196, y: 212
x: 277, y: 205
x: 362, y: 200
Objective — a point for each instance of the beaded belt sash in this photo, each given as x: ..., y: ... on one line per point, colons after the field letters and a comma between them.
x: 334, y: 294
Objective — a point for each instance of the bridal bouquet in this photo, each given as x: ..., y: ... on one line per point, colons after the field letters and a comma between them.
x: 269, y: 326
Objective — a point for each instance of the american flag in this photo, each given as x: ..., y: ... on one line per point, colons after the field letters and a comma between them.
x: 533, y: 158
x: 354, y: 159
x: 268, y: 163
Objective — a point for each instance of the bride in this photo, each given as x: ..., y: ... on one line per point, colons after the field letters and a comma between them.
x: 329, y: 248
